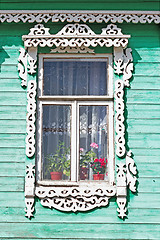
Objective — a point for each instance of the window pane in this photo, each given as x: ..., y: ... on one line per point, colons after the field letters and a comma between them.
x: 93, y: 142
x: 56, y: 142
x: 73, y: 77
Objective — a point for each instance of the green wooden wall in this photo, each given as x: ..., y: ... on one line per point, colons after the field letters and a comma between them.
x: 146, y: 5
x: 143, y: 134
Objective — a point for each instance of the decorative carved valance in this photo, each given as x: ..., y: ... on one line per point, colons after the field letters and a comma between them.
x: 40, y: 16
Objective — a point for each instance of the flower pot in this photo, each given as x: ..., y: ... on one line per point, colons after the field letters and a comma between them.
x: 98, y: 176
x: 56, y: 175
x: 83, y: 173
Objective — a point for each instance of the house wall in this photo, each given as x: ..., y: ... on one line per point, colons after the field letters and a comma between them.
x: 143, y: 138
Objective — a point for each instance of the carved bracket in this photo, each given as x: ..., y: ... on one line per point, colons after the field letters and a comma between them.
x: 126, y: 176
x: 29, y: 190
x: 75, y: 198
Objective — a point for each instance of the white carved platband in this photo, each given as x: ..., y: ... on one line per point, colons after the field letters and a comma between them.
x: 77, y: 16
x: 123, y: 65
x: 126, y: 176
x: 74, y: 198
x: 31, y: 109
x: 29, y: 190
x: 74, y: 35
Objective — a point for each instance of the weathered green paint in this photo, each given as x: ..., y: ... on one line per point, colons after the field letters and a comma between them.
x: 81, y: 5
x: 143, y: 134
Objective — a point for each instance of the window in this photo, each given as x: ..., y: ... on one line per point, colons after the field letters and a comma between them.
x: 75, y: 119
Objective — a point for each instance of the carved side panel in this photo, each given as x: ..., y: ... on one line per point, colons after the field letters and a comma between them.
x: 123, y: 65
x: 121, y: 190
x: 31, y: 109
x: 29, y: 190
x: 131, y: 172
x: 22, y: 66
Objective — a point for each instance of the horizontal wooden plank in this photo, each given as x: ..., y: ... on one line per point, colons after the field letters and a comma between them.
x: 103, y: 215
x: 12, y: 140
x: 13, y: 126
x: 148, y: 169
x: 81, y: 5
x: 11, y: 84
x: 145, y: 82
x: 143, y: 96
x: 143, y: 141
x: 146, y: 55
x: 142, y: 111
x: 145, y: 158
x: 149, y: 184
x: 15, y: 112
x: 19, y: 156
x: 14, y: 98
x: 147, y: 69
x: 12, y: 169
x: 108, y: 231
x: 14, y: 184
x: 143, y: 126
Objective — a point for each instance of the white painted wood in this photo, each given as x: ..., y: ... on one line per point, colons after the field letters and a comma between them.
x: 73, y: 35
x: 31, y: 110
x: 91, y: 16
x: 75, y: 198
x: 22, y: 66
x: 29, y: 190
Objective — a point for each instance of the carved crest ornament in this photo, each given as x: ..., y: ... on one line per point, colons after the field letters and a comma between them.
x: 78, y: 38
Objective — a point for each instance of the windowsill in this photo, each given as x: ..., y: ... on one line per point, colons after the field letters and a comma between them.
x: 93, y: 183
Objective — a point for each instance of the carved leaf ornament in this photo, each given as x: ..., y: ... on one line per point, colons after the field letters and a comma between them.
x: 78, y: 38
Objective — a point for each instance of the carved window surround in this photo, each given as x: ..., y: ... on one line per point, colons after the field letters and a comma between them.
x: 78, y: 38
x: 77, y: 16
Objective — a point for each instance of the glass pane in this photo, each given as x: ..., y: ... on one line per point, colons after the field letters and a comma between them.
x: 93, y: 143
x: 56, y: 142
x: 73, y: 77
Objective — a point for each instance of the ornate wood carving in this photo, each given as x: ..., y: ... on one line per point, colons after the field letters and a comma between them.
x: 78, y: 38
x: 126, y: 176
x: 31, y: 109
x: 74, y: 35
x: 77, y: 16
x: 32, y: 59
x: 22, y: 66
x: 74, y: 198
x: 123, y: 65
x: 81, y: 49
x: 29, y: 190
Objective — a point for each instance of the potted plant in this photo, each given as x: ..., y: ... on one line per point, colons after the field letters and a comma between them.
x: 58, y: 163
x: 98, y: 167
x: 86, y: 159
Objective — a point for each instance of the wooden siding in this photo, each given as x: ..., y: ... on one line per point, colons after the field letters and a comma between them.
x: 143, y: 134
x: 81, y: 5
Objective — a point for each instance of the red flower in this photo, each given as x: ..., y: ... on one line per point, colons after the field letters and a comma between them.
x: 96, y: 160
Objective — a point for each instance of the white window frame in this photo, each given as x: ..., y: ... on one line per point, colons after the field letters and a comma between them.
x: 75, y: 102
